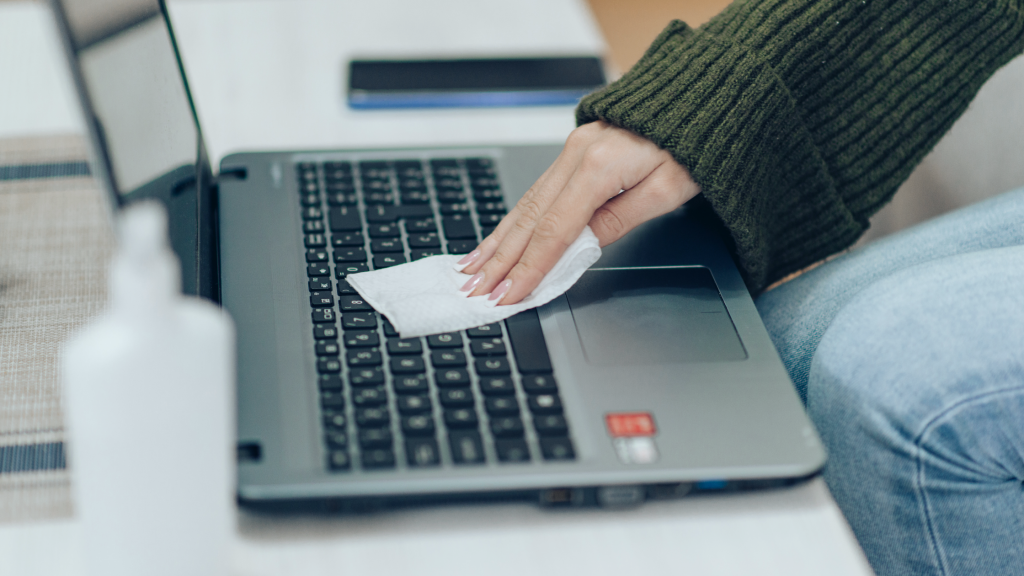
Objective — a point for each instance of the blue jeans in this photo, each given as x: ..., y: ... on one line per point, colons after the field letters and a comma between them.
x: 909, y: 354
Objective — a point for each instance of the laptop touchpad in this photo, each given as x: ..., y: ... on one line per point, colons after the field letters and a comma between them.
x: 652, y: 316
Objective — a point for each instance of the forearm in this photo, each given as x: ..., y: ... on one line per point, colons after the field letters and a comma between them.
x: 800, y: 118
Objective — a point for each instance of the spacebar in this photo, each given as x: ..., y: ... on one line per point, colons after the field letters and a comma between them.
x: 528, y: 342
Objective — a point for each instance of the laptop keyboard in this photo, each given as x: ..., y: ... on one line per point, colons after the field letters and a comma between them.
x: 456, y: 399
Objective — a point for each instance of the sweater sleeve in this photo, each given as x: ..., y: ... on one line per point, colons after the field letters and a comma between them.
x: 800, y: 118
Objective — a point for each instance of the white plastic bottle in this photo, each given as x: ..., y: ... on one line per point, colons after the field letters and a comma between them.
x: 149, y: 406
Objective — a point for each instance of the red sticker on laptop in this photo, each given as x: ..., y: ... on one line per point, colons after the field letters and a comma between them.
x: 626, y: 424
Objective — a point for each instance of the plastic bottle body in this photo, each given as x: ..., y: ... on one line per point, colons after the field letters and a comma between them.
x: 149, y: 403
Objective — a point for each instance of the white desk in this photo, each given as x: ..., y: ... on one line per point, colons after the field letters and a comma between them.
x: 267, y: 74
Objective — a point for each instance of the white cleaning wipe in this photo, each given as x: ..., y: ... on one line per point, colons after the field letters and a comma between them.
x: 423, y: 297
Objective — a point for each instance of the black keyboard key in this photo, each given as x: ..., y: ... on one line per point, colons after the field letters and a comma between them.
x: 362, y: 358
x: 345, y: 288
x: 325, y: 332
x: 540, y: 384
x: 409, y: 168
x: 451, y: 197
x: 452, y: 378
x: 388, y: 260
x: 496, y: 366
x: 375, y: 396
x: 467, y: 447
x: 332, y: 399
x: 328, y: 348
x: 550, y: 425
x: 484, y: 184
x: 378, y: 458
x: 358, y: 320
x: 337, y: 166
x: 353, y: 303
x: 420, y: 226
x: 449, y: 209
x: 445, y: 340
x: 342, y: 198
x: 372, y: 186
x: 341, y: 239
x: 507, y: 427
x: 411, y: 384
x: 335, y: 420
x: 488, y: 195
x: 350, y: 254
x: 461, y: 418
x: 490, y: 221
x: 313, y: 227
x: 528, y: 344
x: 325, y: 315
x: 447, y: 183
x: 374, y: 198
x: 512, y: 450
x: 428, y: 240
x: 497, y: 386
x: 557, y: 449
x: 316, y: 255
x: 398, y: 346
x: 343, y: 270
x: 421, y: 254
x: 389, y: 329
x: 446, y: 358
x: 338, y: 460
x: 312, y: 213
x: 490, y: 208
x: 315, y: 240
x: 477, y: 164
x: 329, y: 382
x: 487, y: 230
x: 361, y: 339
x: 345, y: 186
x: 383, y: 245
x: 456, y: 397
x: 375, y: 438
x: 414, y: 404
x: 422, y: 452
x: 318, y: 270
x: 458, y: 227
x: 320, y: 284
x: 411, y: 183
x: 545, y: 404
x: 381, y: 214
x: 412, y: 197
x: 407, y: 365
x: 418, y: 425
x: 336, y: 438
x: 372, y: 417
x: 344, y: 218
x: 502, y: 406
x: 384, y: 231
x: 321, y: 299
x: 366, y: 377
x: 328, y: 365
x: 485, y: 331
x: 461, y: 246
x: 487, y: 347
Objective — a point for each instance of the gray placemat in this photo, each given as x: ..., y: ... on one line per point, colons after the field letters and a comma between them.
x: 55, y: 242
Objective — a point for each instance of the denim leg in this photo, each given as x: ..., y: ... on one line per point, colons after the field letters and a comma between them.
x: 797, y: 313
x: 917, y: 389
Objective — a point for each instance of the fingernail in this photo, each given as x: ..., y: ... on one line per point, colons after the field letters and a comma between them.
x: 500, y: 291
x: 469, y: 258
x: 472, y: 282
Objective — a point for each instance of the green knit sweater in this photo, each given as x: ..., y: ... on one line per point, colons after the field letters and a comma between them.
x: 800, y: 118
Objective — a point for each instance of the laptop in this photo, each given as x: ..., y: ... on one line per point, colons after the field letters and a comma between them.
x: 652, y: 377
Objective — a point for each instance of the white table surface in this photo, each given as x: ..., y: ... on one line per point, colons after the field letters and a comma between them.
x: 267, y: 75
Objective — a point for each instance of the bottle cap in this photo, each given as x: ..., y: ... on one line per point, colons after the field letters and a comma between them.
x: 145, y: 276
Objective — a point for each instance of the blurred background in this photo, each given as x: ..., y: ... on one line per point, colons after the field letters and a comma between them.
x: 982, y: 155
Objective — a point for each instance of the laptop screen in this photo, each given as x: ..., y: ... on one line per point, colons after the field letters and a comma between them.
x: 130, y: 73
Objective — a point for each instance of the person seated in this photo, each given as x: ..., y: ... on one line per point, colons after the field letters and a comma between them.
x: 797, y: 120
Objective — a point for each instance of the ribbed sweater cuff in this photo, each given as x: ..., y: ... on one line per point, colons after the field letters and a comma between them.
x: 726, y: 116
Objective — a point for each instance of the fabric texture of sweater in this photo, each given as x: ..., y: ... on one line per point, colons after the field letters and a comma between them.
x: 801, y: 118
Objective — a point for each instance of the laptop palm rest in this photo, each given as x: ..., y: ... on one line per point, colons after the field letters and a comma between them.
x: 645, y: 316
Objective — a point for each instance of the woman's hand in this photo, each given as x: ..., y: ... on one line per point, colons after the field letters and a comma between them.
x: 582, y: 187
